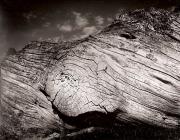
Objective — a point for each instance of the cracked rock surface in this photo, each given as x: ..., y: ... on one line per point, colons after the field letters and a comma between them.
x: 124, y: 79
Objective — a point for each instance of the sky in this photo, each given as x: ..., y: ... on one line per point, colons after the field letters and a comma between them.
x: 23, y: 21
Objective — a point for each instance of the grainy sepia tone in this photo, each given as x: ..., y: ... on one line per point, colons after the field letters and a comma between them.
x: 105, y: 78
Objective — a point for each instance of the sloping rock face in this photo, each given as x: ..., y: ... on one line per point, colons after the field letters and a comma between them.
x: 126, y: 77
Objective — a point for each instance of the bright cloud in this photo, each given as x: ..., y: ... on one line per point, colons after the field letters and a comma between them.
x: 89, y: 30
x: 80, y: 20
x: 99, y: 20
x: 65, y: 28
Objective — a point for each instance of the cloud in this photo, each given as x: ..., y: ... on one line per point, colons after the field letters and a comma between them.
x: 99, y: 20
x: 47, y: 24
x: 65, y: 27
x: 109, y: 19
x: 80, y: 20
x: 30, y: 16
x: 58, y: 38
x: 89, y: 30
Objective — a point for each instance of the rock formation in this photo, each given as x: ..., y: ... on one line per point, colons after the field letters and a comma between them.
x: 125, y: 79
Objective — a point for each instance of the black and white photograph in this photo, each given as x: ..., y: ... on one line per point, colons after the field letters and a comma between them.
x: 89, y: 69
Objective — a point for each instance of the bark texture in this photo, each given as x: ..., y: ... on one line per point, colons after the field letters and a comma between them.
x: 128, y: 74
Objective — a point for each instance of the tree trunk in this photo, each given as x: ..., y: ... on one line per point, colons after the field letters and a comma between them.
x: 128, y: 75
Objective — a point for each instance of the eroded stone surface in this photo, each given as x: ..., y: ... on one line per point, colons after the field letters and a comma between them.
x: 131, y: 69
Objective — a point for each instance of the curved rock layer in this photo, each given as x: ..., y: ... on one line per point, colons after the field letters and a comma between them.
x: 128, y: 73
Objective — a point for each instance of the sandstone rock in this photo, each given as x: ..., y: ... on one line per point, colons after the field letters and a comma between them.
x: 128, y: 75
